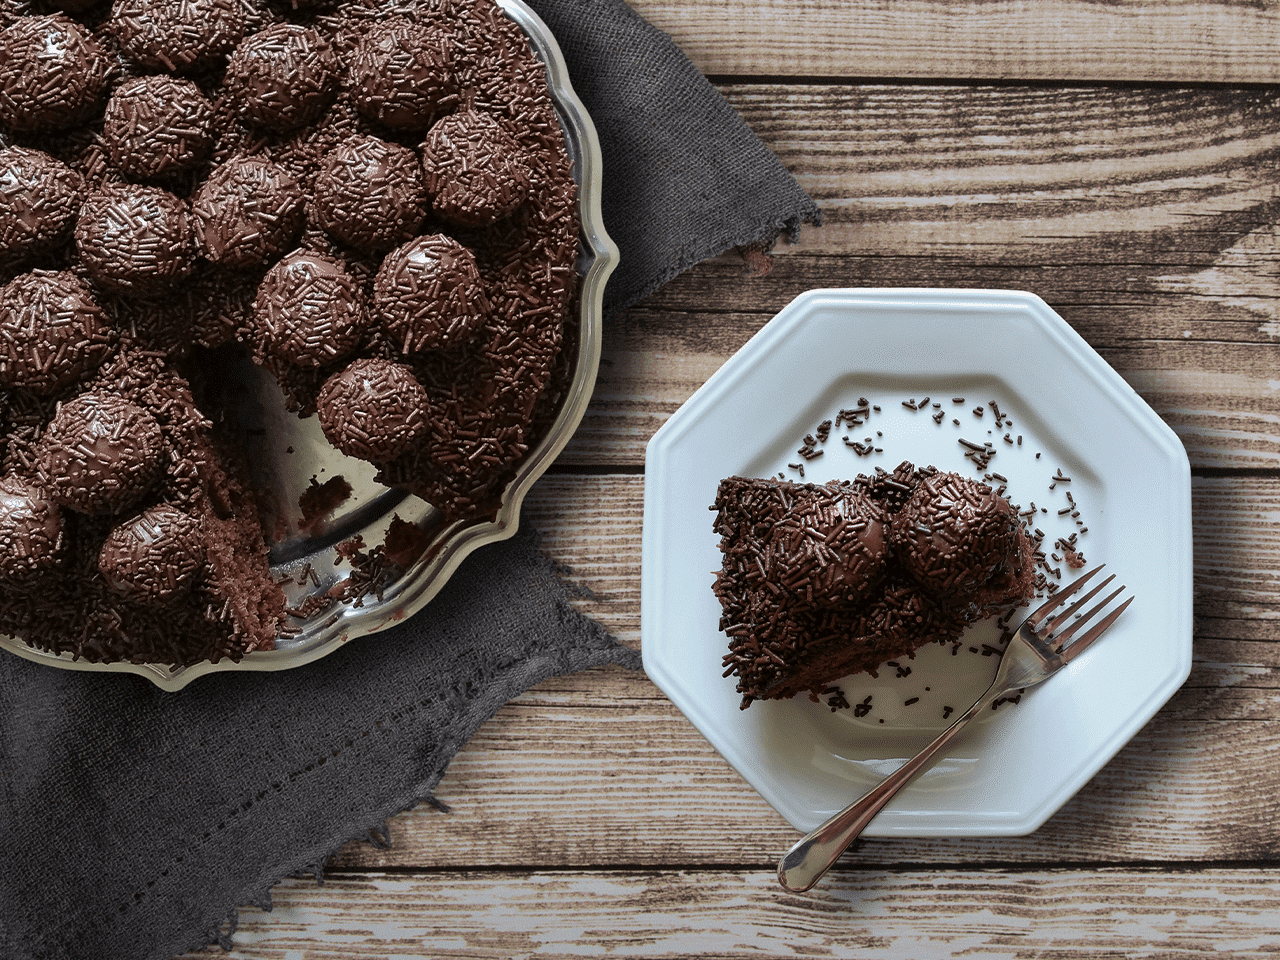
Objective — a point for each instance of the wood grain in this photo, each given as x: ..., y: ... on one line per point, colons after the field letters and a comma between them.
x: 1219, y: 41
x: 1120, y: 158
x: 727, y: 913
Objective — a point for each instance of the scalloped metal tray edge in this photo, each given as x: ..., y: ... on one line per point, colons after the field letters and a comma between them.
x: 295, y: 451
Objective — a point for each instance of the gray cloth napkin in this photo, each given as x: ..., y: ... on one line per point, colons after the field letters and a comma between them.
x: 134, y: 822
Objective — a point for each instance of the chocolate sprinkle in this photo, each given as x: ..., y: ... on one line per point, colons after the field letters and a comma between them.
x: 790, y: 631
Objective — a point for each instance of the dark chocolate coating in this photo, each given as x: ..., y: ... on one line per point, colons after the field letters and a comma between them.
x: 954, y: 534
x: 178, y: 35
x: 52, y: 332
x: 52, y: 74
x: 248, y: 213
x: 30, y: 530
x: 282, y: 77
x: 157, y: 126
x: 374, y: 410
x: 135, y: 239
x: 100, y: 454
x: 309, y: 310
x: 476, y: 172
x: 428, y: 294
x: 155, y: 555
x: 39, y: 198
x: 369, y: 193
x: 402, y: 74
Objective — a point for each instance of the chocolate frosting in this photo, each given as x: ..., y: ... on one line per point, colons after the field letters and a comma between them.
x: 370, y: 194
x: 374, y: 409
x: 429, y: 295
x: 155, y: 555
x: 157, y: 126
x: 52, y: 332
x: 248, y: 213
x: 100, y: 454
x: 52, y: 73
x: 309, y: 311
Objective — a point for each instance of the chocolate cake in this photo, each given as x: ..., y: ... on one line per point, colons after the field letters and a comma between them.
x: 819, y: 581
x: 373, y: 201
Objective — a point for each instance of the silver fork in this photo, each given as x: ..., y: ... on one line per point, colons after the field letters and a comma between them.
x: 1034, y: 654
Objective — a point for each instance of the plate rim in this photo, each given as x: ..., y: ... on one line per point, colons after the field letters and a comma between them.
x: 898, y: 823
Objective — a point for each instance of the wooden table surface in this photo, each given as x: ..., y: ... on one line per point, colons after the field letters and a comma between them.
x: 1120, y: 159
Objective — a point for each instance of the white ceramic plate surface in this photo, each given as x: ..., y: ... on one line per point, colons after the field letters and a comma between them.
x: 1130, y: 480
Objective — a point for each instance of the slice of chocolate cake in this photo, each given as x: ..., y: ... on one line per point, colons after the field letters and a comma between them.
x: 821, y: 581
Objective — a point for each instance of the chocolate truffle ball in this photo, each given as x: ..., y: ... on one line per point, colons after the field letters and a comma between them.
x: 428, y: 294
x: 178, y: 35
x: 831, y: 548
x: 369, y: 193
x: 155, y: 555
x: 308, y: 311
x: 248, y: 213
x: 52, y: 74
x: 52, y: 332
x: 282, y: 77
x: 476, y: 173
x: 100, y: 454
x: 39, y: 197
x: 402, y: 74
x: 135, y: 239
x: 954, y: 534
x: 374, y: 410
x: 156, y: 127
x: 30, y: 530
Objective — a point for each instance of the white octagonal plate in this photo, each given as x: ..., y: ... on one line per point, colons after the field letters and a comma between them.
x: 932, y: 362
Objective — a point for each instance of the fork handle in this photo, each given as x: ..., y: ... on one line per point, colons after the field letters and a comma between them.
x: 804, y: 864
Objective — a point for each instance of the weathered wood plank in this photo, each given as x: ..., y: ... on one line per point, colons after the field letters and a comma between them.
x: 599, y: 769
x: 1139, y: 40
x: 1147, y: 218
x: 729, y: 913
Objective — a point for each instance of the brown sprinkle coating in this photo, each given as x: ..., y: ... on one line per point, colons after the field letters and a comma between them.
x: 157, y: 127
x: 787, y: 633
x: 402, y: 74
x: 476, y: 172
x: 374, y: 409
x: 100, y: 454
x: 52, y: 74
x: 308, y: 311
x: 248, y: 213
x: 52, y: 332
x: 155, y: 555
x: 30, y: 530
x: 282, y: 77
x: 39, y: 198
x: 370, y: 194
x: 135, y: 239
x: 429, y: 295
x: 178, y: 35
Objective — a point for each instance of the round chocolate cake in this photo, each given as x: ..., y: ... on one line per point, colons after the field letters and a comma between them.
x: 371, y: 200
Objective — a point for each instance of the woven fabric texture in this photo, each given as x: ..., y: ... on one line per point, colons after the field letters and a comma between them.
x: 135, y: 822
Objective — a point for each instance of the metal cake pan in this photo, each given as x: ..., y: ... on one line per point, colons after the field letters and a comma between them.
x: 290, y: 453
